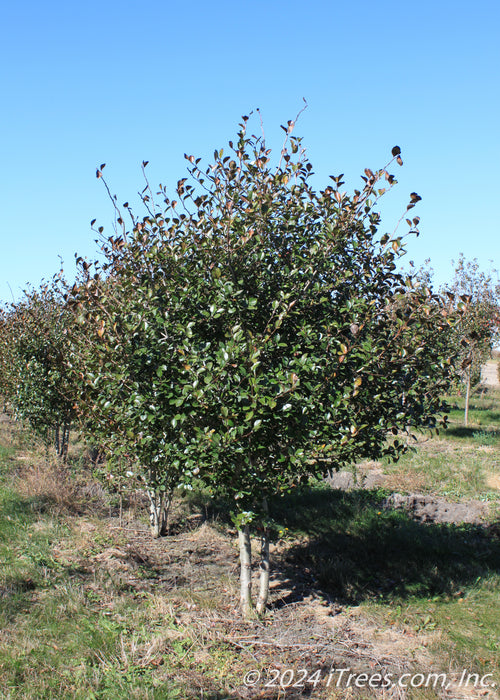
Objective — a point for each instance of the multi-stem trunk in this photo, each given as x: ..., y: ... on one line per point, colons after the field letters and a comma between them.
x: 65, y: 442
x: 62, y: 440
x: 246, y: 602
x: 159, y: 505
x: 245, y: 570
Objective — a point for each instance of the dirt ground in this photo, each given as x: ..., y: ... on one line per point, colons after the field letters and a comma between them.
x: 302, y: 630
x: 422, y: 507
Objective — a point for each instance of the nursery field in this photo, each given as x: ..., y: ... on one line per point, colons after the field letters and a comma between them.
x: 383, y: 585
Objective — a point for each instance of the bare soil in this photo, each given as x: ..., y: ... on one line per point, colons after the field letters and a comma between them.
x: 422, y: 507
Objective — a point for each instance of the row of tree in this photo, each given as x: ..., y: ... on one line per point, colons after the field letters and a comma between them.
x: 245, y: 335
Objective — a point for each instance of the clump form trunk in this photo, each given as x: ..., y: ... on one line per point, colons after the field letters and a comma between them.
x: 246, y: 570
x: 159, y: 505
x: 62, y: 440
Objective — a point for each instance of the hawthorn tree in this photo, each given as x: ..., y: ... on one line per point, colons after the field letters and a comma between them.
x: 127, y: 339
x: 478, y: 328
x: 306, y: 346
x: 33, y: 374
x: 253, y: 331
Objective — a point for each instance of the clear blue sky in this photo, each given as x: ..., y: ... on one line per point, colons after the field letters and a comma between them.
x: 119, y: 82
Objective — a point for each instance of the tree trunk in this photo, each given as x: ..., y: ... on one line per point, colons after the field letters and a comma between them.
x: 65, y: 442
x: 245, y: 571
x: 159, y: 504
x: 467, y: 397
x: 58, y: 441
x: 264, y: 570
x: 120, y: 513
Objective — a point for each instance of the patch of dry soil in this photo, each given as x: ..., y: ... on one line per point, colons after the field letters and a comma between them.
x: 425, y: 508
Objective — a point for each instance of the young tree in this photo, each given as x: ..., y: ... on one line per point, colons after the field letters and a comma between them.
x: 256, y: 331
x: 127, y: 364
x: 6, y: 378
x: 306, y: 346
x: 33, y: 355
x: 478, y: 329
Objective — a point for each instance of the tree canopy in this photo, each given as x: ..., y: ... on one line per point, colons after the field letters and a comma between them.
x: 478, y: 328
x: 254, y: 331
x: 34, y: 377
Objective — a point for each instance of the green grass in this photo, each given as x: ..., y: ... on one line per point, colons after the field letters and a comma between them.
x: 67, y: 631
x: 70, y: 632
x: 359, y: 549
x: 484, y: 414
x: 464, y: 629
x: 431, y: 578
x: 7, y: 454
x: 56, y: 641
x: 461, y: 461
x: 453, y: 472
x: 435, y: 579
x: 59, y: 640
x: 70, y: 650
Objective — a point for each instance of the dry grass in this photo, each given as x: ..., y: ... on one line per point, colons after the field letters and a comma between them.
x: 89, y: 609
x: 50, y: 485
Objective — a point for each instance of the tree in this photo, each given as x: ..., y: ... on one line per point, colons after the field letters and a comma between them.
x: 6, y: 377
x: 254, y: 332
x: 33, y: 353
x: 478, y: 294
x: 123, y: 362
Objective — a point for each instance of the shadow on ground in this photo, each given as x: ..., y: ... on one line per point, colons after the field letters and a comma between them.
x: 350, y: 546
x: 355, y: 548
x: 470, y: 432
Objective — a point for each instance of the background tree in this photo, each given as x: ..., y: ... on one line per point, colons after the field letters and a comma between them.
x: 255, y: 331
x: 33, y: 357
x: 6, y: 376
x: 131, y: 321
x: 478, y: 329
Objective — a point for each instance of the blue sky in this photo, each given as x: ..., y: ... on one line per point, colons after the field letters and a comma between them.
x: 119, y: 82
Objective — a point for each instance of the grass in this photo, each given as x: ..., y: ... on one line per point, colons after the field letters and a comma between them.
x: 461, y: 462
x: 56, y: 641
x: 451, y: 472
x: 60, y: 639
x: 359, y: 549
x: 484, y: 413
x: 72, y: 628
x: 427, y: 578
x: 465, y: 628
x: 92, y: 610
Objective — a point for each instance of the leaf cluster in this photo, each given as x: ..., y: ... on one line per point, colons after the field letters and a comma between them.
x: 477, y: 295
x: 34, y: 351
x: 252, y: 330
